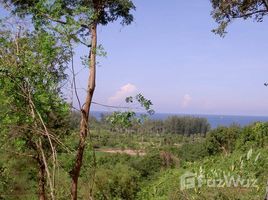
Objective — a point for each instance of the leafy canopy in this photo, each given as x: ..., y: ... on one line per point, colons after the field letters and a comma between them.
x: 225, y: 11
x: 127, y: 118
x: 73, y: 17
x: 31, y: 73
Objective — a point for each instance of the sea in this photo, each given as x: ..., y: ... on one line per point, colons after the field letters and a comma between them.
x: 213, y: 120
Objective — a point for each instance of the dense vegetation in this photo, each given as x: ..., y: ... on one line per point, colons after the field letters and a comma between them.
x: 46, y: 148
x: 184, y: 125
x: 146, y: 165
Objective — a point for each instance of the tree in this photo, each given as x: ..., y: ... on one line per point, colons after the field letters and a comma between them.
x: 222, y: 139
x: 225, y: 11
x: 77, y: 21
x: 31, y: 69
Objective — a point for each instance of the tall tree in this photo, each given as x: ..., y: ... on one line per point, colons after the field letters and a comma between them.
x: 225, y: 11
x: 77, y: 20
x: 31, y: 69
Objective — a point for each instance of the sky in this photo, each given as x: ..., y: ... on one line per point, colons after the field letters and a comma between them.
x: 170, y: 55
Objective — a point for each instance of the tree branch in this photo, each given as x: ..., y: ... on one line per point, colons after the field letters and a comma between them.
x: 110, y: 106
x: 249, y: 14
x: 265, y: 2
x: 51, y: 184
x: 61, y: 21
x: 74, y: 78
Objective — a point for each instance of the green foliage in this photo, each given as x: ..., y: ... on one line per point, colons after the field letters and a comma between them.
x: 72, y: 19
x: 145, y: 103
x: 75, y: 117
x: 121, y: 119
x: 186, y: 125
x: 155, y: 175
x: 176, y: 125
x: 222, y: 140
x: 192, y: 151
x: 118, y: 182
x: 17, y: 177
x: 127, y: 119
x: 224, y: 12
x: 32, y: 71
x: 167, y: 184
x: 255, y: 135
x: 149, y: 165
x: 34, y: 77
x: 36, y: 68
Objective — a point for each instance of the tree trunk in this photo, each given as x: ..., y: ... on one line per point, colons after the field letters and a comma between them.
x: 266, y: 194
x: 41, y: 180
x: 85, y: 113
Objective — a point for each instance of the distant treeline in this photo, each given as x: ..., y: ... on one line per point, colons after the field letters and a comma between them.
x: 183, y: 125
x: 178, y: 125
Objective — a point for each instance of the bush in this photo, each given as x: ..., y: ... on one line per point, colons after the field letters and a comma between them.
x: 255, y: 135
x: 192, y: 151
x: 120, y: 182
x: 148, y: 165
x: 222, y: 140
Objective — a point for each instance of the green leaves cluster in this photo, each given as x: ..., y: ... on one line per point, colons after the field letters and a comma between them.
x: 128, y: 118
x: 253, y: 136
x: 224, y: 12
x: 222, y: 139
x: 32, y: 70
x: 144, y: 103
x: 72, y: 19
x: 121, y: 119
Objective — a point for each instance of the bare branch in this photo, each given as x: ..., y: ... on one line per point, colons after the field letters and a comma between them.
x: 110, y: 106
x: 250, y: 14
x: 61, y: 21
x: 39, y: 145
x: 74, y: 79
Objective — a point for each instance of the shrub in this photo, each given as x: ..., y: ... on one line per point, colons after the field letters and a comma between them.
x: 255, y: 135
x: 192, y: 151
x: 222, y: 140
x: 120, y: 182
x: 148, y: 165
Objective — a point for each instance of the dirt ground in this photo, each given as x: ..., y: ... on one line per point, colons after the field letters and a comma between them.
x: 130, y: 152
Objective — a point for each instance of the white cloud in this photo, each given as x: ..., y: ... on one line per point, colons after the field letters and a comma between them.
x: 186, y: 100
x: 125, y: 91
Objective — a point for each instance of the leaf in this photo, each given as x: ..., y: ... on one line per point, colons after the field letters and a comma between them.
x: 249, y: 154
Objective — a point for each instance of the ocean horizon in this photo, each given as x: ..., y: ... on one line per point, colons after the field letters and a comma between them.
x: 213, y: 120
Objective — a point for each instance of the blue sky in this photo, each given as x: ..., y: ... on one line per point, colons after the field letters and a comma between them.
x: 171, y: 56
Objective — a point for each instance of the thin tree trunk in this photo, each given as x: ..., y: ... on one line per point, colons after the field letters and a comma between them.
x: 266, y: 194
x: 41, y: 180
x: 85, y: 113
